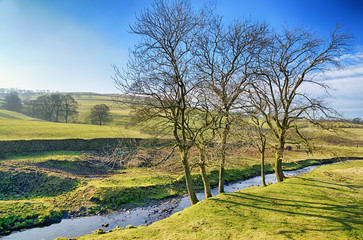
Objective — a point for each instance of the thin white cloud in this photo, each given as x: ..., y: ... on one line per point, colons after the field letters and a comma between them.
x: 350, y: 71
x: 357, y: 57
x: 349, y: 81
x: 347, y: 86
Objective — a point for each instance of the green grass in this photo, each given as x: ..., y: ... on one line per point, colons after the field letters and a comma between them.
x: 32, y: 184
x: 25, y: 213
x: 39, y: 188
x: 324, y: 204
x: 119, y: 111
x: 15, y: 115
x: 138, y: 178
x: 58, y: 183
x: 134, y: 185
x: 14, y: 129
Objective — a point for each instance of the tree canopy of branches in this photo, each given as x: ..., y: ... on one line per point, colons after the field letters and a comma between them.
x: 55, y: 107
x: 100, y: 114
x: 12, y: 102
x: 226, y: 61
x: 160, y: 70
x: 189, y: 72
x: 295, y: 60
x: 69, y: 108
x: 257, y: 133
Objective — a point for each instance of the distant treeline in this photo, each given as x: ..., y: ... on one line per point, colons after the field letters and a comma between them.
x: 356, y: 120
x: 55, y: 107
x: 23, y: 93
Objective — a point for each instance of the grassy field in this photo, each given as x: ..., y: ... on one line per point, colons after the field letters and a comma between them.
x: 75, y: 183
x: 10, y: 129
x: 86, y: 101
x: 15, y: 115
x: 15, y: 129
x: 324, y: 204
x: 17, y: 126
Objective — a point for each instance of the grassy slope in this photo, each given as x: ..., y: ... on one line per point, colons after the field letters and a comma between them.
x: 15, y: 115
x: 120, y: 127
x: 14, y: 129
x: 112, y: 191
x: 324, y: 204
x: 14, y: 126
x: 22, y: 205
x: 119, y: 111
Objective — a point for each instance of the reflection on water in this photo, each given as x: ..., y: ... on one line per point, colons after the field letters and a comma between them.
x: 69, y: 228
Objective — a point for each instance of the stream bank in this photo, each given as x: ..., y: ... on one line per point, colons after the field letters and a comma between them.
x: 136, y: 216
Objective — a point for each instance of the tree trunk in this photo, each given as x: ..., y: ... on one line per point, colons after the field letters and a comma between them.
x: 223, y: 154
x: 203, y: 173
x: 66, y: 117
x: 223, y: 160
x: 263, y: 165
x: 188, y: 177
x: 278, y: 160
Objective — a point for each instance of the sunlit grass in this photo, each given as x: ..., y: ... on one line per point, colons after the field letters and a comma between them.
x: 14, y: 129
x: 5, y: 114
x: 325, y: 204
x: 138, y: 184
x: 137, y: 177
x: 120, y: 113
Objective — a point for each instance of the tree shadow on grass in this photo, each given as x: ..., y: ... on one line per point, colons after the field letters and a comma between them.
x: 335, y: 186
x: 81, y: 168
x: 333, y: 216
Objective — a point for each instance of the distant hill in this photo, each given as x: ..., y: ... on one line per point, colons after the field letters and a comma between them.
x: 16, y: 129
x: 15, y: 115
x: 14, y: 125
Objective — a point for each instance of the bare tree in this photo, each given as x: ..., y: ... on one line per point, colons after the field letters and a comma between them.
x: 12, y: 102
x: 161, y: 73
x: 57, y: 102
x: 226, y: 58
x: 54, y: 107
x: 202, y: 132
x: 100, y: 114
x: 294, y: 61
x: 256, y: 124
x: 44, y: 107
x: 69, y: 107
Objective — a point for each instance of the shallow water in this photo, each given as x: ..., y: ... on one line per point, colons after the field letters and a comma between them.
x: 69, y: 228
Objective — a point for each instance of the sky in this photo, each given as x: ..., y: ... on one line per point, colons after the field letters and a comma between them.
x: 71, y: 45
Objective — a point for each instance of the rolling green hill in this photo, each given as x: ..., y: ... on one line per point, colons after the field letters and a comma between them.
x: 15, y: 129
x: 15, y: 115
x: 17, y: 126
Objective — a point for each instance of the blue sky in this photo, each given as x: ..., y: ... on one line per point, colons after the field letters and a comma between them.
x: 70, y: 45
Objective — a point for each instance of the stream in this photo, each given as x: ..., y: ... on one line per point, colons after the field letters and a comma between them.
x: 69, y: 228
